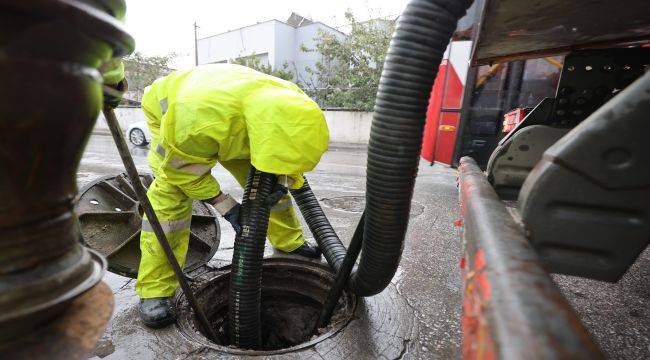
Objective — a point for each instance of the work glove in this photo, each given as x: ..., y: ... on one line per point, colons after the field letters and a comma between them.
x: 233, y: 218
x: 228, y: 208
x: 278, y: 192
x: 113, y: 93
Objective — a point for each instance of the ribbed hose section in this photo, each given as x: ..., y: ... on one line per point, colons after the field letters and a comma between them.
x: 420, y: 39
x: 332, y: 247
x: 244, y: 313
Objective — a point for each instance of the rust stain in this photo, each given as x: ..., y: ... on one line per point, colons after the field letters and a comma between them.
x: 481, y: 278
x: 477, y: 339
x: 72, y: 335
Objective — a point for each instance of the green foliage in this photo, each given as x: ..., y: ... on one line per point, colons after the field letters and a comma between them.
x: 255, y: 63
x: 348, y: 75
x: 141, y: 71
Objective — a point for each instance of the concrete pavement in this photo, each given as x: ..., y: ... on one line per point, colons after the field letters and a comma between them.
x: 427, y: 287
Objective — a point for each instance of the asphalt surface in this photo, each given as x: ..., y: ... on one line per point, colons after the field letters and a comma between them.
x: 418, y: 316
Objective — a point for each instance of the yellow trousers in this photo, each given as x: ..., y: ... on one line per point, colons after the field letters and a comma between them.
x: 174, y: 210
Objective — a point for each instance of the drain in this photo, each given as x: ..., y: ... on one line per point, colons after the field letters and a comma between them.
x: 356, y: 204
x: 293, y: 293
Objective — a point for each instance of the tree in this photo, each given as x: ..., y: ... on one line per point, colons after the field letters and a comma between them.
x: 255, y: 63
x: 141, y: 71
x: 348, y: 74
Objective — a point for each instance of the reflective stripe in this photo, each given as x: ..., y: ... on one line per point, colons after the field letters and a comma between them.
x: 163, y: 105
x: 160, y: 150
x: 225, y: 205
x: 196, y: 169
x: 177, y: 163
x: 192, y: 168
x: 281, y: 206
x: 167, y: 225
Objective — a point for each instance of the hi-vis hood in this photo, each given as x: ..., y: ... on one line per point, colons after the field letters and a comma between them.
x: 287, y: 130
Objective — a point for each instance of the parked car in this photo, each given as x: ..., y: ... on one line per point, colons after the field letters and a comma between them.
x: 138, y: 133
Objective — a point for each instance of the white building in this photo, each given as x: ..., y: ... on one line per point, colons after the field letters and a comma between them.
x: 274, y: 42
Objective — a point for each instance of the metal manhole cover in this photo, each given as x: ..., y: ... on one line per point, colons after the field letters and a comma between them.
x: 356, y: 204
x: 110, y: 218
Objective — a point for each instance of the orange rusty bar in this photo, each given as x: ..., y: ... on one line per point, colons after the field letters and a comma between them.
x: 511, y: 307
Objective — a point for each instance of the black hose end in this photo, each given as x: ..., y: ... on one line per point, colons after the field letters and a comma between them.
x: 244, y: 313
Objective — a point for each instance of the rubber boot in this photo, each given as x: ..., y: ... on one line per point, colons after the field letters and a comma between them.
x: 307, y: 250
x: 157, y: 312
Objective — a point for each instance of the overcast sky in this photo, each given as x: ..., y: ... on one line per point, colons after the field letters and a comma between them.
x: 165, y: 26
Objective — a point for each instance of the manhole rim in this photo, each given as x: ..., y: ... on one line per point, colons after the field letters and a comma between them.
x: 196, y: 337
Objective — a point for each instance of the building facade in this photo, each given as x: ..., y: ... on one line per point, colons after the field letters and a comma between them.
x: 273, y: 42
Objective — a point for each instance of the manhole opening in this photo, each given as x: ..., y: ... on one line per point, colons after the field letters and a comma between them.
x: 293, y: 293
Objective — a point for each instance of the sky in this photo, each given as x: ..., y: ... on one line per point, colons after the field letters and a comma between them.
x: 161, y: 27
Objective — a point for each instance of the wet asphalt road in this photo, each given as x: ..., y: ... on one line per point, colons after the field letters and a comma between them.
x: 429, y: 278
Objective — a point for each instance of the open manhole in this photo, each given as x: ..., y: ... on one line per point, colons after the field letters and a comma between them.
x: 293, y: 293
x: 110, y: 217
x: 356, y: 204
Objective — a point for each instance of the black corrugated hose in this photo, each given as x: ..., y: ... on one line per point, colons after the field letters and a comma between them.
x: 420, y: 39
x: 244, y: 313
x: 421, y: 36
x: 332, y: 247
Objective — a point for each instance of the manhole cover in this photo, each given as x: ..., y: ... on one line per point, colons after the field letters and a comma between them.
x: 357, y: 203
x: 293, y: 293
x: 110, y: 218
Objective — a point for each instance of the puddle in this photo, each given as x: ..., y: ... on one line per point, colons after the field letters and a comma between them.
x: 356, y: 204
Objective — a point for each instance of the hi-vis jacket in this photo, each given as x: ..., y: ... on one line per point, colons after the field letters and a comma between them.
x: 223, y: 112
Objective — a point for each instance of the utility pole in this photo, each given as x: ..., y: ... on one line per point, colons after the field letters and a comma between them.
x: 196, y: 46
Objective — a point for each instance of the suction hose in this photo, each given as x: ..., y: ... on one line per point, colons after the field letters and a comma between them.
x: 329, y: 243
x: 420, y: 39
x: 421, y: 36
x: 244, y: 313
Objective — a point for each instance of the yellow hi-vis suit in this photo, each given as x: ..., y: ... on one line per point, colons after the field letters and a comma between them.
x: 235, y: 116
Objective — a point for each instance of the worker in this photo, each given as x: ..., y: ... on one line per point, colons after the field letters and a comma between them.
x: 237, y: 117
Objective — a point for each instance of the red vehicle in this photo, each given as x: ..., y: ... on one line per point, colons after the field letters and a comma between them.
x: 563, y: 189
x: 496, y: 90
